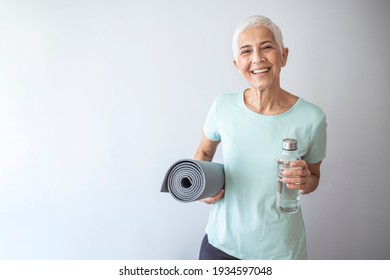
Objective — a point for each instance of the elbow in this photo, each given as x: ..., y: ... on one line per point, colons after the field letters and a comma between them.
x: 202, y: 155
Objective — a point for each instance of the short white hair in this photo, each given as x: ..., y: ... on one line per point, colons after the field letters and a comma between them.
x: 254, y: 22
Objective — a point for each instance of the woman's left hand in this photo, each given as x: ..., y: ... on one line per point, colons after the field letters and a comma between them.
x: 299, y: 178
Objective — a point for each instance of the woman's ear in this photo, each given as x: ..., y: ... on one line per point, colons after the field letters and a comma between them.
x: 284, y: 56
x: 235, y: 63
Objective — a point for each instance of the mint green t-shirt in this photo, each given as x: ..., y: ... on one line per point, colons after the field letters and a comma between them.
x: 246, y: 223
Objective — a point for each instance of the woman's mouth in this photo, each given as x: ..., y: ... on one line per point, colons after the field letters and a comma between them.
x: 262, y: 70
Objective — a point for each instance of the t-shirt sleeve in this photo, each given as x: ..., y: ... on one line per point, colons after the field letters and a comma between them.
x: 317, y: 148
x: 210, y: 127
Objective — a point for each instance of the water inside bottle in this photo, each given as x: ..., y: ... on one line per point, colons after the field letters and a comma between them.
x: 288, y: 199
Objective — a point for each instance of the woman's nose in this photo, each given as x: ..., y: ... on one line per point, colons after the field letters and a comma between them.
x: 258, y: 57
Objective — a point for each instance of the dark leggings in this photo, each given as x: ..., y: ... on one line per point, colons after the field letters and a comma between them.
x: 209, y: 252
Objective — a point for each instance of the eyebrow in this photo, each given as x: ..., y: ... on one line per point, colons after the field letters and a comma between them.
x: 268, y: 41
x: 246, y: 46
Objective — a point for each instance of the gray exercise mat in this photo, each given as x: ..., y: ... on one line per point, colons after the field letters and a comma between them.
x: 188, y: 180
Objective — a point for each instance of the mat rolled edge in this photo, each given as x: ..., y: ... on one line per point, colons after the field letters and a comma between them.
x: 213, y: 178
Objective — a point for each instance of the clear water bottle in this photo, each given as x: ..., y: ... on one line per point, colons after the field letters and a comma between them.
x: 287, y: 200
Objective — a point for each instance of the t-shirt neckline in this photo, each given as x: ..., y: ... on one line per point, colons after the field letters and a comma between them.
x: 299, y: 100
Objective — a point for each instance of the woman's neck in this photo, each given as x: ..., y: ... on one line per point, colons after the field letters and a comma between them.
x: 269, y: 102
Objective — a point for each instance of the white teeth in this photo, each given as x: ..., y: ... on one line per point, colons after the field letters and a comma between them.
x: 261, y: 70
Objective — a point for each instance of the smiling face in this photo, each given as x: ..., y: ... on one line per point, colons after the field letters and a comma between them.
x: 259, y: 58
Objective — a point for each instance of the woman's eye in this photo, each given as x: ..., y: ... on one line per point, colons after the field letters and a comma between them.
x: 245, y: 51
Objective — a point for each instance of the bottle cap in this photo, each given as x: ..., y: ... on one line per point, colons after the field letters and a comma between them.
x: 290, y: 144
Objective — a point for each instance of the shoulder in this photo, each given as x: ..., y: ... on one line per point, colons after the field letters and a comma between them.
x: 228, y: 98
x: 310, y: 110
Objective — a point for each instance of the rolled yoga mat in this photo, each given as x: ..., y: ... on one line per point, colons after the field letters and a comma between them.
x: 188, y: 180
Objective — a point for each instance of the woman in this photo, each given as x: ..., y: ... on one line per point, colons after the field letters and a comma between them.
x: 244, y: 222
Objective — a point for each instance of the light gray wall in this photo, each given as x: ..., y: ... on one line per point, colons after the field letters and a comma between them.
x: 98, y: 98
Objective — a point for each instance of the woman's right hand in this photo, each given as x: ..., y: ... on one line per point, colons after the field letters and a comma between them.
x: 214, y: 199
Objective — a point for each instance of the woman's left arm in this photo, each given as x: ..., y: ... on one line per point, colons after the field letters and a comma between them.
x: 305, y: 179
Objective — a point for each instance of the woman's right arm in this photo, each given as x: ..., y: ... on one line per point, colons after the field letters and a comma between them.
x: 206, y: 149
x: 205, y: 152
